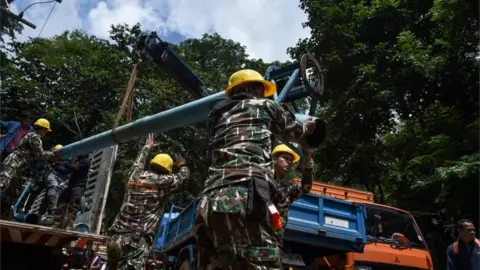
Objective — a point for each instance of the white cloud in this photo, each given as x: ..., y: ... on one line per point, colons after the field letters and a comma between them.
x: 65, y: 16
x: 267, y: 28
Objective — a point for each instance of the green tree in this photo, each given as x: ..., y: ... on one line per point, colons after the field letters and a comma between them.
x: 391, y: 62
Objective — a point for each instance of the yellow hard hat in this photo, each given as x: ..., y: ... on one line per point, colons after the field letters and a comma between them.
x: 44, y: 123
x: 249, y: 75
x: 282, y: 148
x: 58, y: 146
x: 163, y: 160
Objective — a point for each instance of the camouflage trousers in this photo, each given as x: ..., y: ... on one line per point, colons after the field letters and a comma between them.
x: 230, y: 237
x: 12, y: 168
x: 11, y: 181
x: 121, y: 255
x: 54, y: 186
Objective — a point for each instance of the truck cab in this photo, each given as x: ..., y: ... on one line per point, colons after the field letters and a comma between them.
x: 394, y: 240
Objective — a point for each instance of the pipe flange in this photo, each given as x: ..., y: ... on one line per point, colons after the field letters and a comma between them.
x: 308, y: 60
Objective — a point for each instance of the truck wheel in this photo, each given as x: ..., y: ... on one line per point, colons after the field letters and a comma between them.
x: 184, y: 265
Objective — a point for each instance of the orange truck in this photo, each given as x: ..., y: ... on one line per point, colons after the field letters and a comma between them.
x: 394, y: 238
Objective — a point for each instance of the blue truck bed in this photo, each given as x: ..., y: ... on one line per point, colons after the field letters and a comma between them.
x: 313, y: 220
x: 327, y: 223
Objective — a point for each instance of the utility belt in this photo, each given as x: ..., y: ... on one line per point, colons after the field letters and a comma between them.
x: 148, y: 186
x: 260, y: 203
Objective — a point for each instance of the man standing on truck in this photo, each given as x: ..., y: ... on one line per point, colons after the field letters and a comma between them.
x: 13, y: 132
x: 56, y: 181
x: 29, y: 149
x: 133, y: 230
x: 464, y: 254
x: 290, y: 191
x: 72, y: 195
x: 236, y: 221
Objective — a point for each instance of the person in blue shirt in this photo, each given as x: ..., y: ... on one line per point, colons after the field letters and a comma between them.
x: 12, y: 132
x: 464, y: 254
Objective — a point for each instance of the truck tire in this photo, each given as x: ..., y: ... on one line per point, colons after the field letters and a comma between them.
x: 185, y: 265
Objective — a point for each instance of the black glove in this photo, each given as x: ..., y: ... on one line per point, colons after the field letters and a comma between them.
x: 179, y: 162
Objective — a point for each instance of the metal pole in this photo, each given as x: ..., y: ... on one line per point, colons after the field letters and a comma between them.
x: 184, y: 115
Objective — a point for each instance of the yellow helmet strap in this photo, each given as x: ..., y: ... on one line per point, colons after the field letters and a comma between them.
x: 158, y: 169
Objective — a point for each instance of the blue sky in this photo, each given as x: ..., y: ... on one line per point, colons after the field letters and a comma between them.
x: 266, y: 27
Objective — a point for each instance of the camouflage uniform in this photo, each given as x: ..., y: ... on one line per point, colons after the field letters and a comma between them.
x: 56, y: 181
x: 141, y: 211
x: 73, y: 193
x: 29, y: 149
x: 288, y: 193
x: 233, y: 226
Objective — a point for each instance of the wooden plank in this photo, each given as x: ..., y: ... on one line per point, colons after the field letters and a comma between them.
x: 38, y: 229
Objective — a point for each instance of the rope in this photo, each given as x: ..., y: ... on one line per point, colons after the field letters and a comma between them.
x: 48, y: 17
x: 127, y: 102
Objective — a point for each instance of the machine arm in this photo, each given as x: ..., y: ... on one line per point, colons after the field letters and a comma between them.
x: 151, y: 47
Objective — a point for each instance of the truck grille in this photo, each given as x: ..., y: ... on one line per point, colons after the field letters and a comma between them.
x: 384, y: 266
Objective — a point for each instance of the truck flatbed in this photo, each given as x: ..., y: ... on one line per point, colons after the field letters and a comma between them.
x: 46, y: 236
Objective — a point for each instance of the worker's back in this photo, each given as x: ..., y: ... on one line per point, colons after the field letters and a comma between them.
x: 241, y: 139
x: 142, y: 205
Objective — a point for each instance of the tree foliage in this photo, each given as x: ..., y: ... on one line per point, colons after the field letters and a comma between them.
x: 401, y: 100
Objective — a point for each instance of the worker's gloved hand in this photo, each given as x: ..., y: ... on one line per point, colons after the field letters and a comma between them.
x: 179, y: 162
x: 308, y: 162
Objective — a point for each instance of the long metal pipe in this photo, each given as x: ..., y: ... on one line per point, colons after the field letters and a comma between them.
x: 184, y: 115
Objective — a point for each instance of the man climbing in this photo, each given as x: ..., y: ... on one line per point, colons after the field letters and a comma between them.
x: 13, y: 132
x: 56, y: 181
x: 133, y: 230
x: 290, y: 191
x: 72, y: 195
x: 236, y: 221
x: 29, y: 149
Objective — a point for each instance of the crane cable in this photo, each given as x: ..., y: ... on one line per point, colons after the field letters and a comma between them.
x: 46, y: 20
x: 127, y: 102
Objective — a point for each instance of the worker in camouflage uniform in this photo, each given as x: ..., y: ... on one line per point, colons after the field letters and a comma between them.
x: 29, y: 149
x: 133, y: 230
x: 13, y: 132
x: 234, y: 224
x: 56, y: 181
x: 289, y: 190
x: 73, y: 194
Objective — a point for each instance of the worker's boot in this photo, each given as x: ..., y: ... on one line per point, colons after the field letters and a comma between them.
x: 47, y: 219
x: 58, y: 217
x: 72, y: 214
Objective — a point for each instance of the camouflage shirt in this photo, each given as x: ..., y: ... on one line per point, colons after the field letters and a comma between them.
x: 241, y: 134
x: 145, y: 195
x: 30, y: 147
x: 289, y: 192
